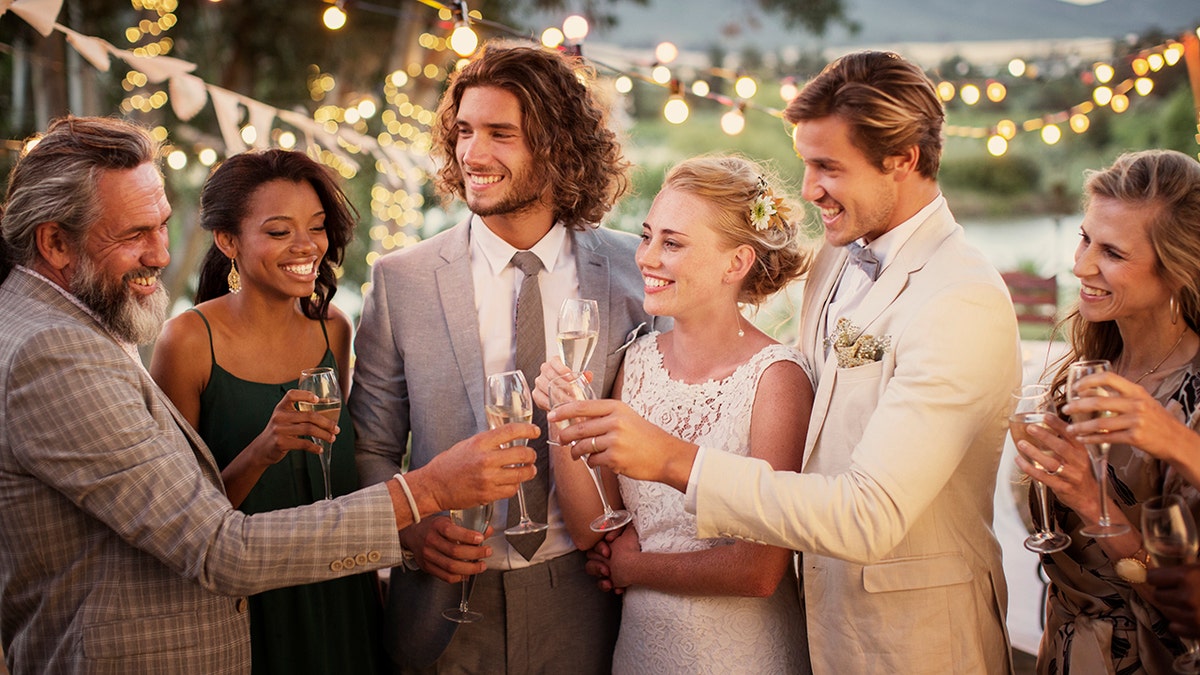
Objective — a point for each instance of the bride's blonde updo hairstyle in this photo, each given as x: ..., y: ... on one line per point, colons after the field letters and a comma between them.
x: 752, y: 209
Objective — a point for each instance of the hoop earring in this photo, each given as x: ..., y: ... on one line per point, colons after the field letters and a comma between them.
x: 234, y: 279
x: 1174, y: 311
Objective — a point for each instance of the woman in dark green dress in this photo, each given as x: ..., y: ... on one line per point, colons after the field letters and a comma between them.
x: 280, y: 224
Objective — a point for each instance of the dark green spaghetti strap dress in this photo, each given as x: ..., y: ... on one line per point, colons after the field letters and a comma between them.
x: 325, y: 628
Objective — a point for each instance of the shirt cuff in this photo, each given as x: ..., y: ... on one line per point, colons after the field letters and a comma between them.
x: 693, y: 484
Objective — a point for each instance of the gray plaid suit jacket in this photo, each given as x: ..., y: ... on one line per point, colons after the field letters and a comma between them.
x: 119, y: 552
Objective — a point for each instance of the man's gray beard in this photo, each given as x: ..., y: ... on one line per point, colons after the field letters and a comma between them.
x: 126, y: 316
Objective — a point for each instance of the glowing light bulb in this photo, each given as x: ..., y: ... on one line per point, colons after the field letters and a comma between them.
x: 623, y: 84
x: 334, y: 18
x: 661, y: 74
x: 1016, y: 68
x: 463, y: 40
x: 1102, y: 95
x: 176, y: 159
x: 1006, y: 129
x: 788, y: 91
x: 700, y: 88
x: 666, y: 52
x: 1120, y: 103
x: 1051, y: 134
x: 207, y: 157
x: 676, y: 110
x: 969, y: 94
x: 1080, y: 123
x: 733, y: 122
x: 945, y: 90
x: 996, y: 145
x: 1143, y: 86
x: 575, y: 27
x: 745, y: 87
x: 1104, y: 72
x: 1156, y: 62
x: 287, y: 140
x: 996, y: 92
x: 552, y: 37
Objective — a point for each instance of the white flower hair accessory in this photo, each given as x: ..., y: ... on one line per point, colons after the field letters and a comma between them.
x: 767, y: 210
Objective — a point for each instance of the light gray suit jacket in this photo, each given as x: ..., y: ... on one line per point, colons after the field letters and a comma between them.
x: 419, y: 373
x: 119, y: 552
x: 893, y: 509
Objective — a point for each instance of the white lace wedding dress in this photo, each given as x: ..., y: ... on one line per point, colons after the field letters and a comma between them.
x: 667, y: 633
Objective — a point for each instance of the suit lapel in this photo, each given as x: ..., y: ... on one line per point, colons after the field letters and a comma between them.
x: 27, y: 285
x: 818, y: 293
x: 457, y: 296
x: 830, y: 262
x: 593, y: 271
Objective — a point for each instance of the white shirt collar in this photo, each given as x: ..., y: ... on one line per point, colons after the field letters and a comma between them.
x: 498, y: 253
x: 886, y: 245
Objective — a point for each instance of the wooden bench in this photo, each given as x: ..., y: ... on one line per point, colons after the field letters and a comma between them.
x: 1034, y: 298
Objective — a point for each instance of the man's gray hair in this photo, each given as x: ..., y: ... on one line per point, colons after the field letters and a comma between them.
x: 55, y: 181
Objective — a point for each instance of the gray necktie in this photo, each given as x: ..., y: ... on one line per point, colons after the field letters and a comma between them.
x: 865, y: 258
x: 531, y: 352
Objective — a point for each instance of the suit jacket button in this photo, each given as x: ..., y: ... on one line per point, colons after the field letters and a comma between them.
x: 360, y: 559
x: 373, y: 557
x: 336, y: 565
x: 347, y: 563
x: 241, y: 605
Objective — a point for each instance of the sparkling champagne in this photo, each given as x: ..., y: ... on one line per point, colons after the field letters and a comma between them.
x: 1169, y: 554
x: 475, y: 518
x: 576, y: 347
x: 331, y: 409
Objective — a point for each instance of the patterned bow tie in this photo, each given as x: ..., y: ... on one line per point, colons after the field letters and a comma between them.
x: 865, y: 258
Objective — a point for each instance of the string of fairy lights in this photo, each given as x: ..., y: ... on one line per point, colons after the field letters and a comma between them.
x: 397, y: 127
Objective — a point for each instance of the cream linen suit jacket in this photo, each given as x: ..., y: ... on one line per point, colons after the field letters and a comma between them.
x: 892, y: 510
x: 119, y: 552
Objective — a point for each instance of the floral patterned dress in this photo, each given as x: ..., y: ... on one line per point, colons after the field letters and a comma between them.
x: 1095, y: 621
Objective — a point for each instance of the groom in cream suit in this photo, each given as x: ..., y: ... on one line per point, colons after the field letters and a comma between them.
x: 439, y: 319
x: 913, y: 344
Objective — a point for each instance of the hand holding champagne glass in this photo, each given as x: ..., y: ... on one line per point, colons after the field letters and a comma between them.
x: 1099, y: 451
x: 578, y: 330
x: 322, y: 382
x: 508, y: 400
x: 1033, y: 406
x: 476, y: 518
x: 1169, y: 537
x: 575, y: 387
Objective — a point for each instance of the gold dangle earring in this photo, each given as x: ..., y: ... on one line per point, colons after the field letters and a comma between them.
x: 234, y: 279
x: 1174, y: 311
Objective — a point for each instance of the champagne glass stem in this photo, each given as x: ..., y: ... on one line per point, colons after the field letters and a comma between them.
x: 1101, y: 466
x: 599, y: 488
x: 521, y: 503
x: 466, y: 593
x: 1043, y: 506
x: 325, y: 459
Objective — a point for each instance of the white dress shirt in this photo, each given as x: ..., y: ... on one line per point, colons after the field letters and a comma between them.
x: 497, y: 285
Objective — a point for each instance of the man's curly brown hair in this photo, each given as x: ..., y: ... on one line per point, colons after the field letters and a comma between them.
x: 574, y: 151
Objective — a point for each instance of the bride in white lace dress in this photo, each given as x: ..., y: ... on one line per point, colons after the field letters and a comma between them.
x: 716, y: 235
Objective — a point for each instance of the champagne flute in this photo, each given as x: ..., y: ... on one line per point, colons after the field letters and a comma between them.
x: 578, y: 328
x: 575, y: 387
x: 476, y: 518
x: 1169, y: 537
x: 1033, y: 407
x: 1099, y: 451
x: 508, y: 400
x: 322, y: 382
